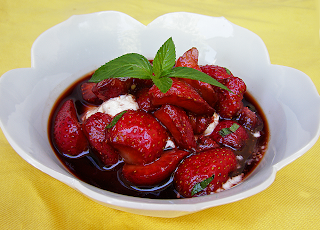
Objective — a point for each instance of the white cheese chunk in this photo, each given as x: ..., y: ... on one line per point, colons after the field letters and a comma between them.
x: 115, y: 105
x: 212, y: 125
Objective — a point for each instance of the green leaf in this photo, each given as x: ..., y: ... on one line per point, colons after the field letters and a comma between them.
x: 115, y: 119
x: 226, y: 131
x: 201, y: 185
x: 128, y: 65
x: 164, y: 59
x: 163, y: 83
x: 185, y: 72
x: 227, y: 70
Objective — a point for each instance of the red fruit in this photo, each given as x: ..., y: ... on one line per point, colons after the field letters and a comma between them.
x: 199, y: 123
x: 211, y: 167
x: 183, y: 95
x: 205, y: 143
x: 230, y: 133
x: 250, y: 120
x: 138, y: 84
x: 230, y: 103
x: 112, y: 87
x: 138, y: 136
x: 217, y: 72
x: 189, y: 59
x: 177, y: 122
x: 155, y: 172
x: 67, y: 132
x: 144, y: 101
x: 88, y: 95
x: 95, y: 130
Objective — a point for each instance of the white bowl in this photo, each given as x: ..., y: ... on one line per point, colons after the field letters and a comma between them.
x: 83, y: 43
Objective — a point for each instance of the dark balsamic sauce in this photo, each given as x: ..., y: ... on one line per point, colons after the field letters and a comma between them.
x: 88, y: 169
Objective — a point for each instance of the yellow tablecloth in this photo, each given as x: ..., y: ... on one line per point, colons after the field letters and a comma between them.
x: 31, y: 199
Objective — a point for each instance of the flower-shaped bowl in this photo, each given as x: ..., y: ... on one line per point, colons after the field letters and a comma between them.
x: 81, y: 44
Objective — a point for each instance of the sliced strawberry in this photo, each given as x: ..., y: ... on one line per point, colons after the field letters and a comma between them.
x: 217, y: 72
x: 95, y: 130
x: 205, y: 90
x: 88, y: 95
x: 138, y: 84
x: 155, y: 172
x: 211, y: 168
x: 250, y: 120
x: 177, y: 122
x: 67, y: 133
x: 138, y: 136
x: 112, y: 87
x: 183, y: 95
x: 231, y: 134
x: 205, y: 143
x: 189, y: 59
x: 144, y: 101
x: 199, y: 123
x: 230, y: 103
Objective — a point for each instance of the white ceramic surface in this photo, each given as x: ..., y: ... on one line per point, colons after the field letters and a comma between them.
x: 84, y: 42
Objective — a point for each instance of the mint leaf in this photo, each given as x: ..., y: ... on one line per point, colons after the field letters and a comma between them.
x: 128, y: 65
x: 163, y: 83
x: 115, y: 119
x: 186, y: 72
x: 226, y: 131
x: 201, y: 185
x: 227, y: 70
x: 164, y: 59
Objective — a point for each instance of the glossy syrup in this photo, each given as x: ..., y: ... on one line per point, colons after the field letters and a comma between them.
x: 88, y: 169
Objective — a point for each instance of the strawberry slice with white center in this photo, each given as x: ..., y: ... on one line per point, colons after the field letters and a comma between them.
x: 177, y: 122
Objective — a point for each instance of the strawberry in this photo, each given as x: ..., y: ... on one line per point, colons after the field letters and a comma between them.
x: 183, y: 95
x: 155, y: 172
x: 230, y: 133
x: 138, y: 136
x: 112, y: 87
x: 217, y: 72
x: 190, y: 59
x: 177, y: 122
x: 67, y: 132
x: 138, y: 84
x: 205, y: 172
x: 95, y: 130
x: 199, y: 123
x: 144, y: 101
x: 230, y: 103
x: 250, y: 120
x: 88, y: 95
x: 205, y: 143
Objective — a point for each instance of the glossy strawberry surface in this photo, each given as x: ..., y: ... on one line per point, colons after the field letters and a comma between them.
x: 138, y: 136
x: 183, y: 95
x: 177, y: 122
x: 68, y: 135
x: 234, y: 139
x: 95, y: 130
x: 215, y: 163
x: 155, y: 172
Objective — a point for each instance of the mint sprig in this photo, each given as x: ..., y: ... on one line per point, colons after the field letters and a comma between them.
x: 201, y: 185
x: 137, y: 66
x: 115, y: 119
x: 226, y: 131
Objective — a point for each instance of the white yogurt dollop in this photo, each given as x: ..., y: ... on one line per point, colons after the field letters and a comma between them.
x: 115, y: 105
